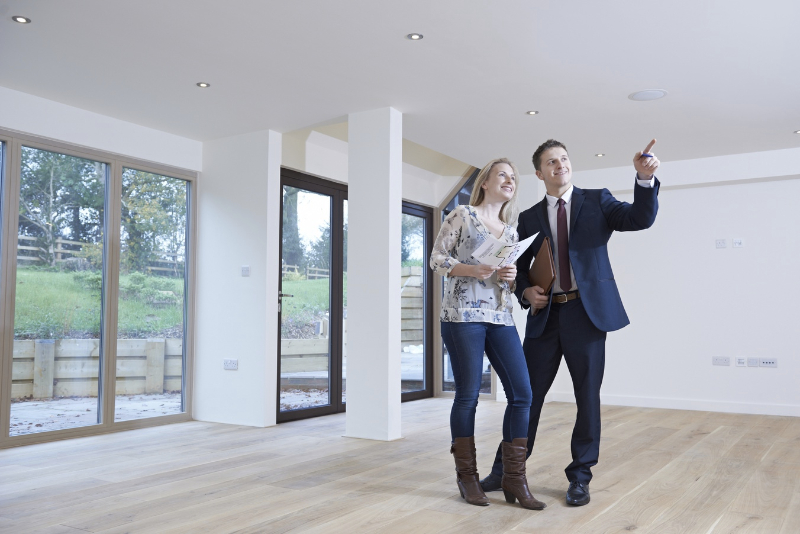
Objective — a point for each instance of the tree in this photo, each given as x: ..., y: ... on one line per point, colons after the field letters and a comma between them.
x: 292, y: 248
x: 319, y: 252
x: 412, y: 235
x: 153, y: 219
x: 61, y: 196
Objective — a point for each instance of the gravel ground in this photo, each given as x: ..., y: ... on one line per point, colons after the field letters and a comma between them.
x: 294, y: 399
x: 57, y: 414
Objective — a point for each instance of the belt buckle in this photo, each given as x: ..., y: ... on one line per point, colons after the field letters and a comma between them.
x: 561, y: 299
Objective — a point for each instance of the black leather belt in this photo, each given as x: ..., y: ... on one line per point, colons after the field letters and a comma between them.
x: 561, y: 298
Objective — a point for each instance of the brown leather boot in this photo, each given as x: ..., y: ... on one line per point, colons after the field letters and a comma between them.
x: 515, y: 484
x: 463, y: 450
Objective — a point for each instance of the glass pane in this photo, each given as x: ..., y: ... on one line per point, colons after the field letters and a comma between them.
x: 152, y: 296
x: 58, y: 311
x: 412, y: 302
x: 344, y: 308
x: 306, y: 263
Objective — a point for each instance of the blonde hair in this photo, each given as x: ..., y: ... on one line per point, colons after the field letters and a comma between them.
x: 508, y: 211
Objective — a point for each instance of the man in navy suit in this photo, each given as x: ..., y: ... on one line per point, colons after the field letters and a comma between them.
x: 584, y: 304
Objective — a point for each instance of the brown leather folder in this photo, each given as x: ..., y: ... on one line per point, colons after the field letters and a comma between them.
x: 543, y: 270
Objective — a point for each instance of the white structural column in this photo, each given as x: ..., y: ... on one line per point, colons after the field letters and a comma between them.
x: 375, y: 179
x: 238, y: 220
x: 273, y: 273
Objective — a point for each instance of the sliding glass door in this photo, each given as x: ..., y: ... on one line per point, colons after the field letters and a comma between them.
x: 95, y: 306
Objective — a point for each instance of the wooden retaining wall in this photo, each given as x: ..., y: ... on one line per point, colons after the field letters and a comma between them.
x: 46, y: 368
x: 412, y: 304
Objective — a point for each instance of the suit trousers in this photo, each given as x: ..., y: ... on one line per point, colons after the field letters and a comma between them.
x: 569, y: 333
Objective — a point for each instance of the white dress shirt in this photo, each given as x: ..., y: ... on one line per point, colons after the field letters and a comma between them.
x: 552, y: 217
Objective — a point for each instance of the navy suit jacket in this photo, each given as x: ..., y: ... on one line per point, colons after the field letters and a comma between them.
x: 595, y: 215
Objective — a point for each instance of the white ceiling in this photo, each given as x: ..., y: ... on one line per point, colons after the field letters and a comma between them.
x: 730, y: 67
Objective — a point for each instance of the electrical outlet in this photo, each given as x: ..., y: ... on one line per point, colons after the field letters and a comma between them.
x: 230, y: 365
x: 721, y: 243
x: 769, y: 362
x: 737, y: 242
x: 245, y: 270
x: 720, y: 360
x: 752, y: 362
x: 741, y: 361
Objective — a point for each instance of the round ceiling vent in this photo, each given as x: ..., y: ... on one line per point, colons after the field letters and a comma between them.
x: 647, y: 94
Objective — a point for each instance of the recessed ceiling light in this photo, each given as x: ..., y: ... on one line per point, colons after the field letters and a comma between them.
x: 21, y: 20
x: 599, y: 155
x: 532, y: 112
x: 647, y: 94
x: 414, y: 36
x: 203, y: 85
x: 797, y: 131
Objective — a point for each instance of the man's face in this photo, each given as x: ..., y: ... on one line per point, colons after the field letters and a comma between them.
x: 556, y: 170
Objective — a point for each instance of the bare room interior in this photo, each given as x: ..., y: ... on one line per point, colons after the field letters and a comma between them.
x: 208, y: 209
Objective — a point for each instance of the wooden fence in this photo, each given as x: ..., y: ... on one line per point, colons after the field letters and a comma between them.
x: 311, y: 355
x: 46, y: 368
x: 62, y: 254
x: 311, y: 273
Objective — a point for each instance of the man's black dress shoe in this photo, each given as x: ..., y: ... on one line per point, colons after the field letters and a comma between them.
x: 577, y: 494
x: 491, y: 483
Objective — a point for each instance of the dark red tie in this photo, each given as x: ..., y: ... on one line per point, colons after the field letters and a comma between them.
x: 563, y: 247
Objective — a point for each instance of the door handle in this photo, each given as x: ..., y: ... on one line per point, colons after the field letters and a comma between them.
x: 280, y: 300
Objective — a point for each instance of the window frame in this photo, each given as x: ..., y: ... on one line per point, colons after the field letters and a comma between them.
x: 9, y: 210
x: 425, y: 213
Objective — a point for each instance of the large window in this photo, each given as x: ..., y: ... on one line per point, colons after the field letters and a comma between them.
x: 59, y: 284
x: 152, y: 295
x: 96, y: 267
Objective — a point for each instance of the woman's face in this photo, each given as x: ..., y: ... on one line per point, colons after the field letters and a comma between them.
x: 500, y: 185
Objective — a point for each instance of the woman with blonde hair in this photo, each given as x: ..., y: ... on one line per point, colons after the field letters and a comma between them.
x: 476, y: 318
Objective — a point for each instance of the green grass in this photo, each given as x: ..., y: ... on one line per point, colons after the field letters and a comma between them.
x: 57, y: 305
x: 311, y: 297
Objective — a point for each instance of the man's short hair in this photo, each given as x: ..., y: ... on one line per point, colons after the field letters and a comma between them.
x: 537, y: 156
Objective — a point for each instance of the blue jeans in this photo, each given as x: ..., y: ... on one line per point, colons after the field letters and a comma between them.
x: 466, y: 343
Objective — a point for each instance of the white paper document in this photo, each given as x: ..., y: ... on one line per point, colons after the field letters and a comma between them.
x: 499, y: 254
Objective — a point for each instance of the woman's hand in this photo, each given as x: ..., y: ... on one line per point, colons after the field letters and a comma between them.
x: 482, y: 272
x: 508, y: 273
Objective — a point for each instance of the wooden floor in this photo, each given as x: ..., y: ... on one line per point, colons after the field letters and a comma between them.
x: 659, y: 471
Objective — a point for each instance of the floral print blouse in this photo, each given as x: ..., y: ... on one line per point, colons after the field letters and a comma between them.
x: 468, y: 299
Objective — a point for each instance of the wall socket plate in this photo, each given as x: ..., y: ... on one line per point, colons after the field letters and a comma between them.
x: 720, y: 360
x: 741, y: 361
x: 230, y: 364
x: 721, y: 243
x: 752, y: 362
x: 737, y: 242
x: 769, y: 362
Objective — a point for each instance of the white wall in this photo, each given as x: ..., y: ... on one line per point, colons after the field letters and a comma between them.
x: 37, y: 116
x: 689, y: 301
x: 237, y: 316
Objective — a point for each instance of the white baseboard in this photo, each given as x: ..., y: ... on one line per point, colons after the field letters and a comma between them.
x: 685, y: 404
